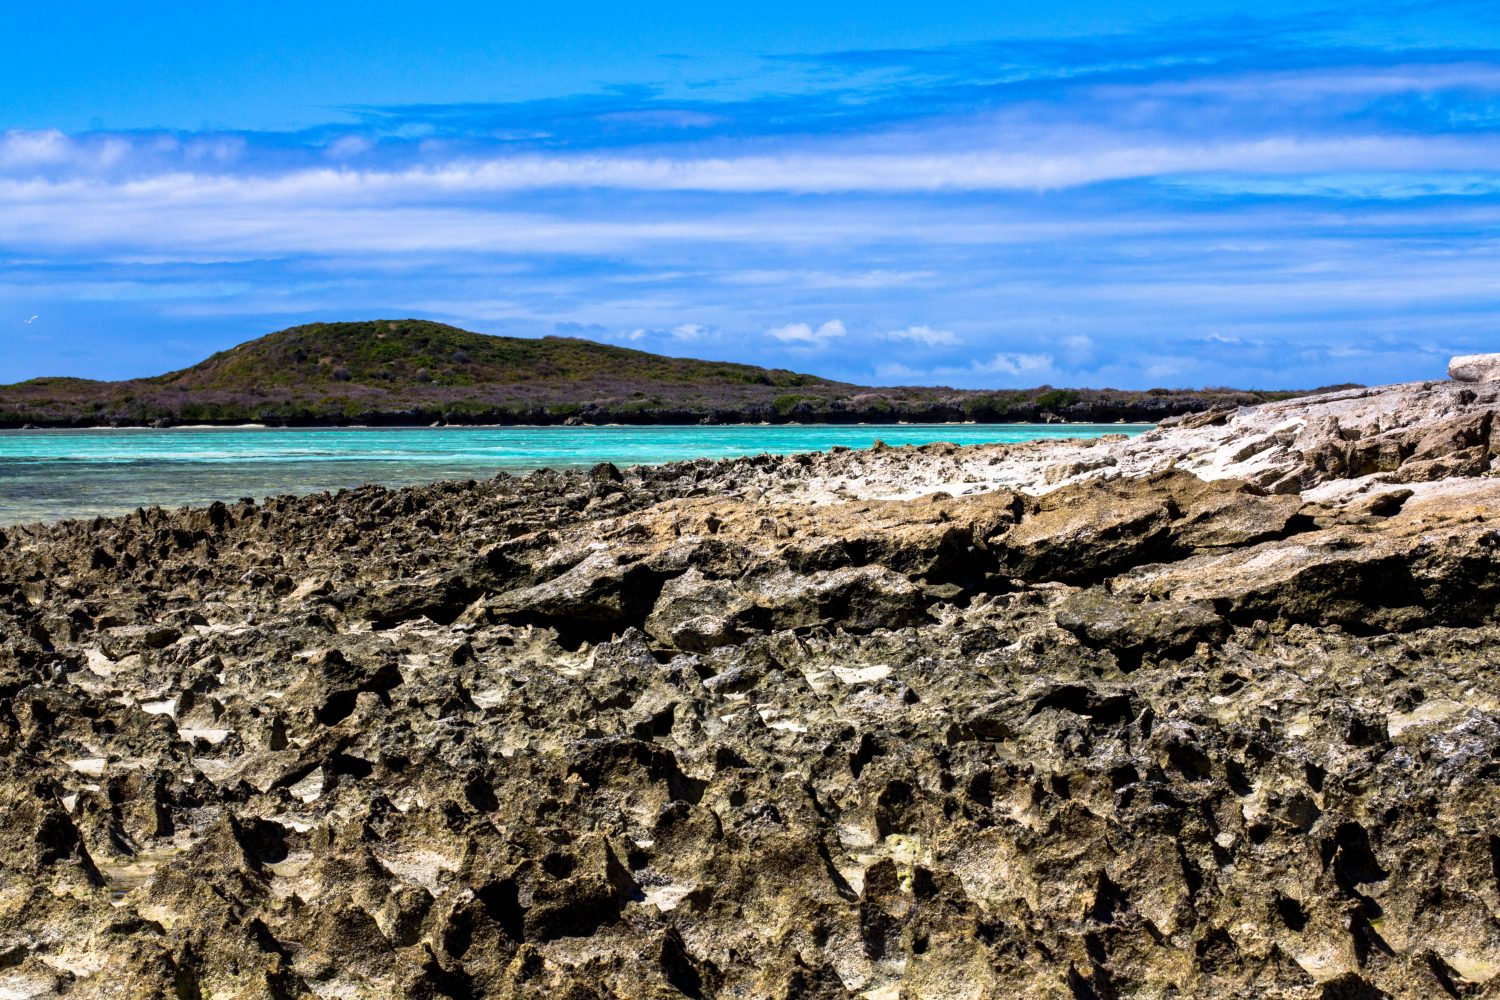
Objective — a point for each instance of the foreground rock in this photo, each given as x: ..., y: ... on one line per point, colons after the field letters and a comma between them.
x: 1208, y: 712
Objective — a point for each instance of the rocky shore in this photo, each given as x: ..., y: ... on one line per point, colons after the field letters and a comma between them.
x: 1210, y: 712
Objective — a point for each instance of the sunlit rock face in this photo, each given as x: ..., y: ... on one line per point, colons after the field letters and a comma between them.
x: 1207, y: 712
x: 1475, y: 368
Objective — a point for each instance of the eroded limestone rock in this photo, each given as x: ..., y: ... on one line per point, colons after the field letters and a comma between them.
x: 1207, y: 712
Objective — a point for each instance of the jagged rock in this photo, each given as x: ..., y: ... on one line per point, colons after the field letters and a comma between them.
x: 1230, y: 515
x: 697, y: 614
x: 1204, y: 712
x: 1082, y: 533
x: 1124, y: 626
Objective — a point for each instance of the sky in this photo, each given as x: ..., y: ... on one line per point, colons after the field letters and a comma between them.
x: 990, y: 195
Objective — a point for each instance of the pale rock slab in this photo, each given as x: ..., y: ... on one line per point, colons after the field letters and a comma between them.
x: 1475, y: 368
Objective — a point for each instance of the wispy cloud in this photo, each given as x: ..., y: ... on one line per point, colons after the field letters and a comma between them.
x: 1016, y: 368
x: 923, y: 334
x: 1044, y: 160
x: 803, y: 333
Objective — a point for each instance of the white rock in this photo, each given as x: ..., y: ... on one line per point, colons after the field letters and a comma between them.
x: 1475, y: 368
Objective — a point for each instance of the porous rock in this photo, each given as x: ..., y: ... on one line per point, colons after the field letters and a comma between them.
x: 1209, y: 711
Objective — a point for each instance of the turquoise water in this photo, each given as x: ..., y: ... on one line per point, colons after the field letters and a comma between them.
x: 50, y: 475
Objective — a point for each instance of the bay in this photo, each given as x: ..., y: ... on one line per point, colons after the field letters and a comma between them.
x: 48, y: 475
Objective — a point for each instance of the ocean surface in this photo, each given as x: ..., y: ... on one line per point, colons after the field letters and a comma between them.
x: 50, y: 475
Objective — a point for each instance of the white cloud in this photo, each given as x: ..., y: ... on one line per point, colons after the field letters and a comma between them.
x: 924, y: 335
x: 690, y: 331
x: 23, y: 148
x: 894, y: 370
x: 1078, y: 348
x: 668, y: 118
x: 1015, y: 364
x: 346, y: 146
x: 802, y: 333
x: 1019, y: 157
x: 187, y: 216
x: 1302, y: 85
x: 1020, y: 366
x: 1168, y: 366
x: 219, y: 150
x: 824, y: 279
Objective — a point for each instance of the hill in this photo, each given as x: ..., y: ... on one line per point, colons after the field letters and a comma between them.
x: 416, y: 372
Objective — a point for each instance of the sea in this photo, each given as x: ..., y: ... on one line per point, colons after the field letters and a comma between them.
x: 51, y: 475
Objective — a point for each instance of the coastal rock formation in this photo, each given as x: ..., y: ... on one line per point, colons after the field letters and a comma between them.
x: 1475, y: 368
x: 1207, y: 712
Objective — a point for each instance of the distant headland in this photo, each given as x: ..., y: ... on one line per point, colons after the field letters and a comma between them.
x: 411, y: 372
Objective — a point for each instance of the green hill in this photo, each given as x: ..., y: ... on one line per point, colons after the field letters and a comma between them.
x: 414, y: 371
x: 418, y: 356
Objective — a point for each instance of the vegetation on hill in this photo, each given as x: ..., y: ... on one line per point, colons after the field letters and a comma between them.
x: 414, y: 371
x: 406, y: 355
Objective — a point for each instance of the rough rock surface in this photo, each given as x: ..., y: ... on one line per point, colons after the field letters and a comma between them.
x: 1212, y: 712
x: 1474, y: 368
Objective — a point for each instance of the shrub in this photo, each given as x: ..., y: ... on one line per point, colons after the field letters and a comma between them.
x: 1057, y: 399
x: 786, y: 403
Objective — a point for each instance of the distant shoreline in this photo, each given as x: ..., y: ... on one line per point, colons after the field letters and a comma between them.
x: 578, y: 426
x: 413, y: 373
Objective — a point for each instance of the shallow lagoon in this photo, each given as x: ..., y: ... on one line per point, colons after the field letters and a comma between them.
x: 48, y: 475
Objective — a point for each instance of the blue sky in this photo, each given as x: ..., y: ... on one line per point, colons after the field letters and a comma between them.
x: 979, y: 195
